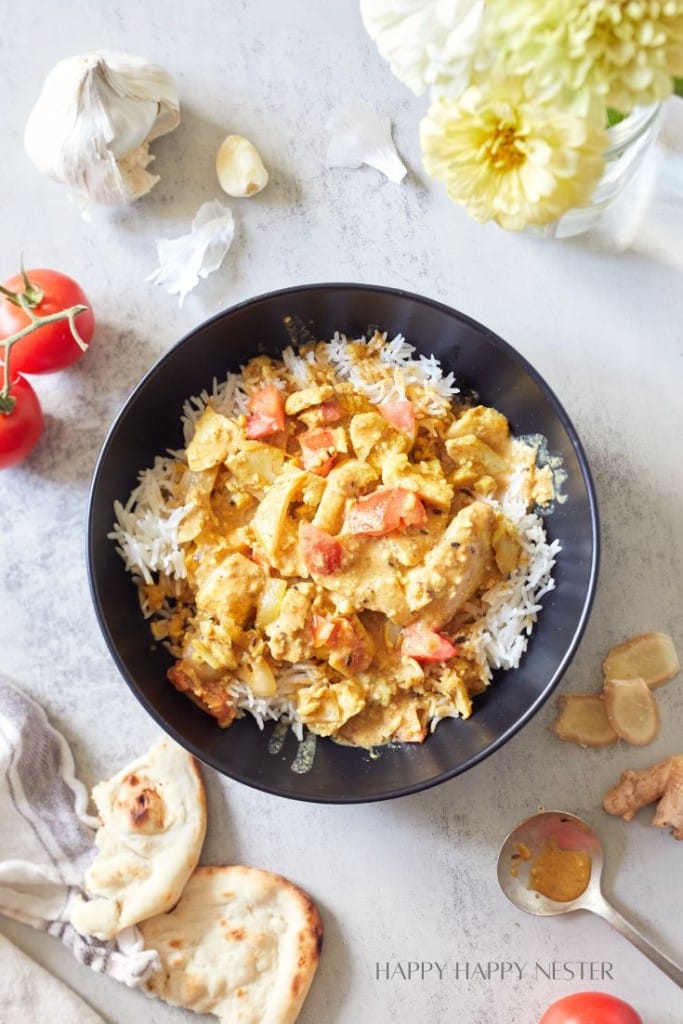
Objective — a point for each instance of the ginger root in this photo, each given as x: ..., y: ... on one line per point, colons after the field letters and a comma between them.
x: 662, y: 782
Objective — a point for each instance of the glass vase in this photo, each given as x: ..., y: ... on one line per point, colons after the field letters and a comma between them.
x: 629, y: 141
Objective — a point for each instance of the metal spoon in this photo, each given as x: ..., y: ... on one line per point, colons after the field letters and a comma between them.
x: 567, y: 832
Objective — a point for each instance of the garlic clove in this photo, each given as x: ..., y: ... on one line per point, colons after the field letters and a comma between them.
x: 362, y: 136
x: 183, y: 261
x: 93, y: 122
x: 239, y: 167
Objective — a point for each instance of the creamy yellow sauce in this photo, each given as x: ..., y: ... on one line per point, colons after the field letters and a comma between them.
x: 561, y: 875
x: 257, y: 613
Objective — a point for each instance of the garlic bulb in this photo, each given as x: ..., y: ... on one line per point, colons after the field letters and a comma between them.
x: 94, y: 120
x: 239, y: 167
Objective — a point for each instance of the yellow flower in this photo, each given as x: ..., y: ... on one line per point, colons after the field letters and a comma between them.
x: 512, y: 159
x: 627, y: 51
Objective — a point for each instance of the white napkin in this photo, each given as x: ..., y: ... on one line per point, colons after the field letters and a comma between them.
x: 36, y: 995
x: 47, y: 839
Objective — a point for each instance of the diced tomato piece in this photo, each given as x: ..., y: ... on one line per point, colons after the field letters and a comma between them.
x: 322, y: 554
x: 316, y: 446
x: 400, y: 414
x: 331, y: 410
x: 385, y: 511
x: 267, y: 407
x: 350, y: 648
x: 424, y: 644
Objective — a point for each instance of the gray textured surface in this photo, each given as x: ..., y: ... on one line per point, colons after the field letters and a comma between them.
x: 412, y: 880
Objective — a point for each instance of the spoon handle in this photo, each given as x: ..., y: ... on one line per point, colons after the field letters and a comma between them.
x: 607, y: 911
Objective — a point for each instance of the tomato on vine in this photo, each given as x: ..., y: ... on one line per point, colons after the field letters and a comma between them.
x: 22, y: 425
x: 36, y: 320
x: 41, y: 293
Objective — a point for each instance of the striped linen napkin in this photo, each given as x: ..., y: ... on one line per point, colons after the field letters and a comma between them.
x: 47, y: 839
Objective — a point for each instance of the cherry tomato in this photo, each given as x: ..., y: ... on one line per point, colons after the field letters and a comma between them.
x: 53, y: 346
x: 267, y: 407
x: 21, y: 428
x: 590, y: 1008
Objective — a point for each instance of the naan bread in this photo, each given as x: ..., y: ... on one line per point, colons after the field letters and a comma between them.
x: 153, y: 816
x: 242, y: 944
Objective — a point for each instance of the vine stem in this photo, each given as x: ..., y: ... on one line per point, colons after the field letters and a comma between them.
x: 7, y: 344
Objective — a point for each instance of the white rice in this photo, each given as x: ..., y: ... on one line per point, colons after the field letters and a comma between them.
x: 146, y: 528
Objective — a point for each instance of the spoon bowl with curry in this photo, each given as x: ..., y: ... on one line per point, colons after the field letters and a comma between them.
x: 551, y: 863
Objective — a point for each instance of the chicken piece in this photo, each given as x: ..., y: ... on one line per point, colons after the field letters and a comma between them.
x: 662, y: 782
x: 215, y: 436
x: 373, y: 437
x: 271, y: 517
x: 424, y: 478
x: 506, y: 547
x: 231, y: 589
x: 289, y: 634
x: 489, y: 425
x: 403, y: 721
x: 343, y: 482
x: 256, y: 465
x: 307, y: 397
x: 454, y: 569
x: 365, y: 579
x: 197, y: 488
x: 470, y: 450
x: 324, y: 707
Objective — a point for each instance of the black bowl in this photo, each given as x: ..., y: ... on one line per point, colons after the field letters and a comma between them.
x: 149, y: 423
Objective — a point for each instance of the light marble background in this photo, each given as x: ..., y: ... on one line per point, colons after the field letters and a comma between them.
x: 412, y: 879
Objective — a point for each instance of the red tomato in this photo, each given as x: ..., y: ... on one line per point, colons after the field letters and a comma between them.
x: 590, y: 1008
x: 424, y: 644
x: 21, y: 428
x: 322, y: 554
x: 267, y: 407
x: 53, y: 346
x: 318, y: 450
x: 400, y: 414
x: 331, y: 410
x: 385, y: 511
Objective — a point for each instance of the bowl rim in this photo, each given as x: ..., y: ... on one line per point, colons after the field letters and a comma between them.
x: 593, y: 569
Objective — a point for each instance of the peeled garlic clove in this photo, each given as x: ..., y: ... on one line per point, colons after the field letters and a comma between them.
x: 239, y: 167
x: 94, y: 120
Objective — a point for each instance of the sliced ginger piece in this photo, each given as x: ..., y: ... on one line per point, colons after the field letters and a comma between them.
x: 662, y: 782
x: 632, y: 710
x: 583, y: 720
x: 649, y: 656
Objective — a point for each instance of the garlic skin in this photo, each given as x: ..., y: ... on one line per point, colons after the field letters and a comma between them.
x: 94, y: 120
x: 183, y: 261
x: 239, y: 167
x: 359, y: 135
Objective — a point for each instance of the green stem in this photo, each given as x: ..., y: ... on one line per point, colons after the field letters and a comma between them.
x: 6, y: 401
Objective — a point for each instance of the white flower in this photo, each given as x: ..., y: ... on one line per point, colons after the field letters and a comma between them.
x: 428, y: 43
